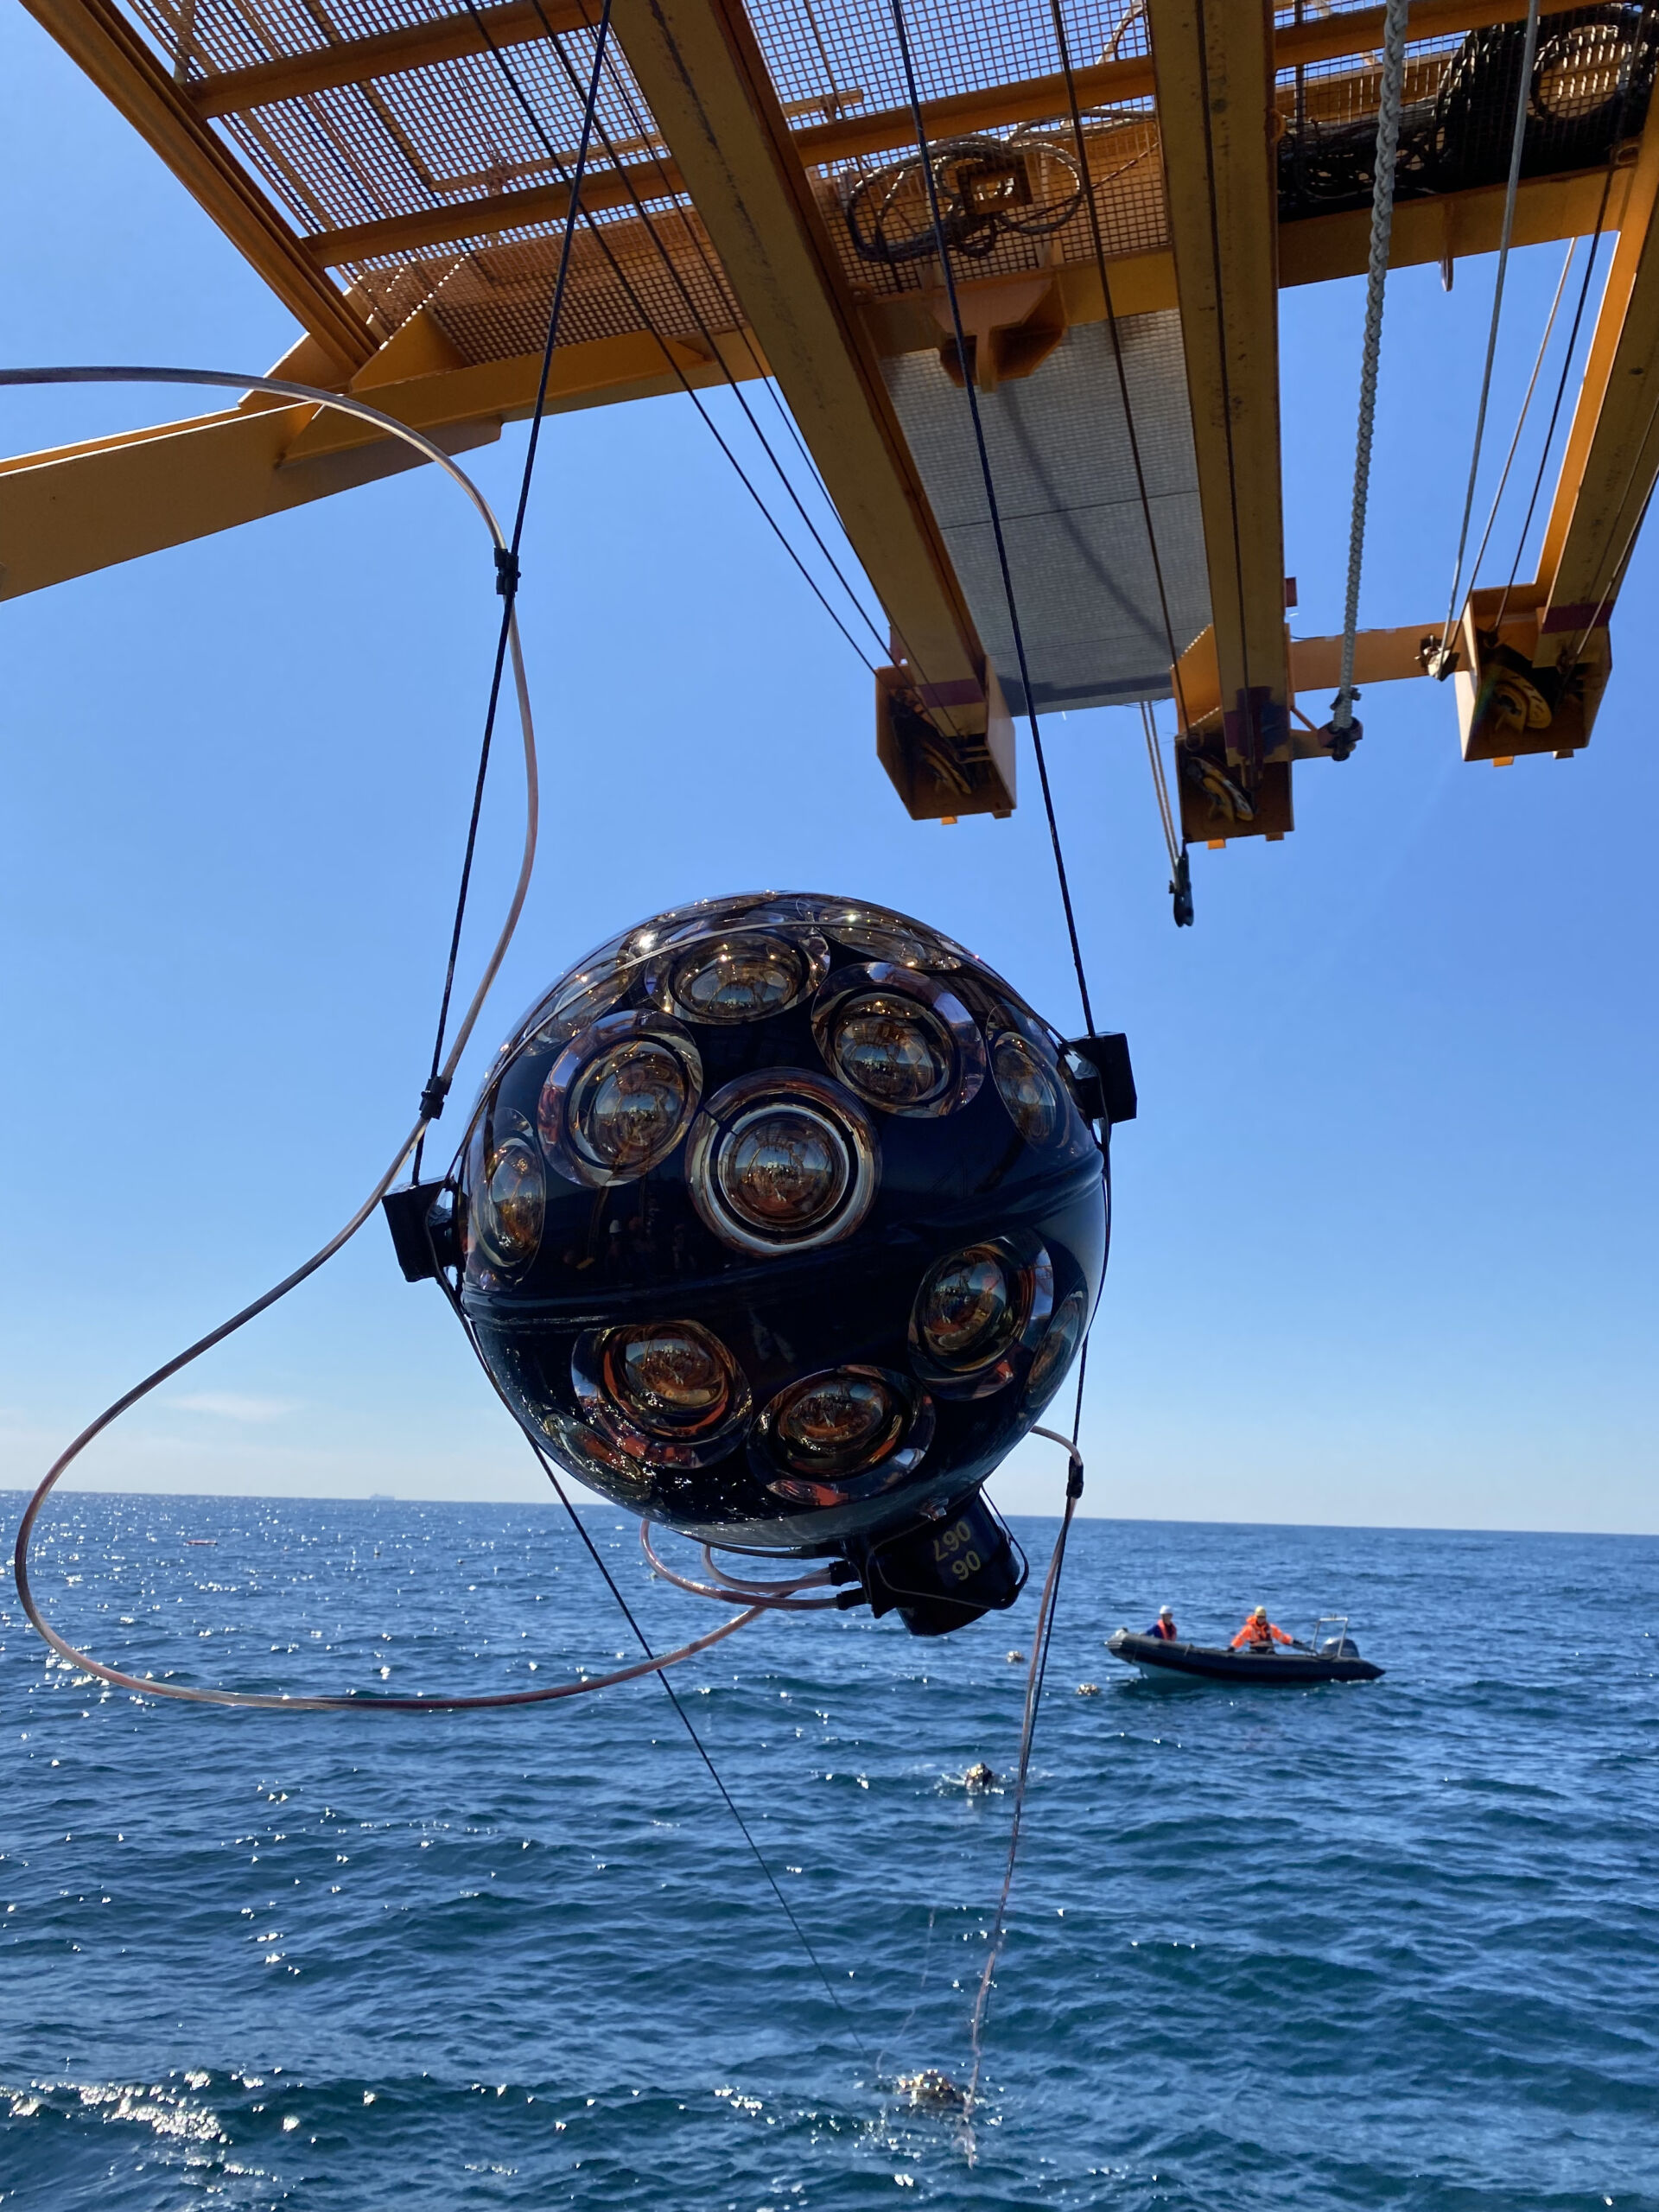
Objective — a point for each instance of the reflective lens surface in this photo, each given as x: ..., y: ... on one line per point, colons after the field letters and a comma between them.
x: 966, y: 1312
x: 891, y: 1053
x: 835, y: 1424
x: 510, y: 1203
x: 784, y: 1169
x: 1029, y: 1089
x: 620, y: 1097
x: 628, y: 1106
x: 1057, y: 1351
x: 780, y: 1161
x: 666, y: 1391
x: 673, y: 1377
x: 739, y: 978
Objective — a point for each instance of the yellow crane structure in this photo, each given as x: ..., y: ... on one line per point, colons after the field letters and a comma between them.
x: 1121, y: 188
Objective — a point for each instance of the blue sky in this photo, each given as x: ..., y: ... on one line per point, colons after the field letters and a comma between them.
x: 1384, y: 1248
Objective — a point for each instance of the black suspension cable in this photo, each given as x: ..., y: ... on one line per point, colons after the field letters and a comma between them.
x: 969, y: 386
x: 1064, y: 44
x: 506, y: 564
x: 1613, y: 144
x: 688, y: 298
x: 1181, y: 880
x: 596, y: 230
x: 550, y: 1470
x: 1523, y: 105
x: 721, y: 287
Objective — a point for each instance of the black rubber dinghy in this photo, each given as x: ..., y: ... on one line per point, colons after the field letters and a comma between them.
x: 1216, y: 1664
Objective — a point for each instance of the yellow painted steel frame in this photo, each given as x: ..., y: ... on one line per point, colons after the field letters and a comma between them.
x: 1214, y: 62
x: 1612, y: 460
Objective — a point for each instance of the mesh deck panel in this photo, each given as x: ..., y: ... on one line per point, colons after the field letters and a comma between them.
x: 1075, y: 534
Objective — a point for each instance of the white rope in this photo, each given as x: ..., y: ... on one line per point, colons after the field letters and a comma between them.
x: 1388, y: 141
x: 282, y: 388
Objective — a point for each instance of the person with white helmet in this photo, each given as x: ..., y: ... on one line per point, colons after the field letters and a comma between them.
x: 1164, y: 1627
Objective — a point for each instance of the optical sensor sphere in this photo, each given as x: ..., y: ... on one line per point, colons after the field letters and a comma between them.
x: 780, y: 1223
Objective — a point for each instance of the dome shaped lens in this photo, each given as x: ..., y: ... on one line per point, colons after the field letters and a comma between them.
x: 740, y: 979
x: 620, y: 1097
x: 510, y: 1203
x: 838, y: 1435
x: 782, y: 1160
x: 1055, y: 1352
x: 671, y: 1376
x: 668, y: 1391
x: 838, y: 1422
x: 891, y: 1054
x: 629, y: 1106
x: 1029, y: 1089
x: 899, y: 1040
x: 966, y: 1313
x: 784, y: 1169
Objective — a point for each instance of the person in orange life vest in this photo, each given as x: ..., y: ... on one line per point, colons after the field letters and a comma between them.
x: 1259, y: 1633
x: 1164, y: 1627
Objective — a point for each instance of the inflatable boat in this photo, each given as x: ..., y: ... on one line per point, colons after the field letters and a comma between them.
x: 1335, y: 1659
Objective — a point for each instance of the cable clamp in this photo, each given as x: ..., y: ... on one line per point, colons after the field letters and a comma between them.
x: 507, y: 571
x: 433, y: 1096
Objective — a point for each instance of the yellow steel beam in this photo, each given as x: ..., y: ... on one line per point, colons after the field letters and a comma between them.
x: 1612, y: 460
x: 95, y: 33
x: 88, y: 506
x: 387, y: 54
x: 701, y: 72
x: 1449, y: 226
x: 1214, y: 63
x: 1034, y: 100
x: 483, y: 218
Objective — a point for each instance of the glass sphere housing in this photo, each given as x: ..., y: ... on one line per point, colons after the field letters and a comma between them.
x: 780, y: 1224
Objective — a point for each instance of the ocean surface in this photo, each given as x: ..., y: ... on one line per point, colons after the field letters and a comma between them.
x: 1392, y: 1945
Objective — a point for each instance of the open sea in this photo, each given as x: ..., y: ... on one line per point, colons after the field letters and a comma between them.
x: 1387, y: 1945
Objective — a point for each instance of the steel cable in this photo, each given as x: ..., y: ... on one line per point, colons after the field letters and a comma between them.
x: 1522, y: 98
x: 507, y: 580
x: 596, y: 230
x: 967, y: 367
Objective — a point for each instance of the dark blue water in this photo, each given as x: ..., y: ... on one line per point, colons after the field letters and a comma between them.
x: 1394, y: 1945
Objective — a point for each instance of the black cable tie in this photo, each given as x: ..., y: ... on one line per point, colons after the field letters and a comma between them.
x: 507, y: 571
x: 433, y: 1096
x: 1074, y: 1481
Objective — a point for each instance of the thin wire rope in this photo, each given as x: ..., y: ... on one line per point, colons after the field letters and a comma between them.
x: 1615, y: 141
x: 1036, y: 1676
x: 1160, y: 784
x: 658, y: 159
x: 1388, y: 141
x: 1522, y: 99
x: 1615, y: 574
x: 703, y: 1752
x: 283, y: 388
x: 720, y: 283
x: 969, y: 386
x: 597, y: 232
x: 1526, y: 407
x: 549, y: 1468
x: 1064, y: 44
x: 721, y: 286
x: 507, y: 580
